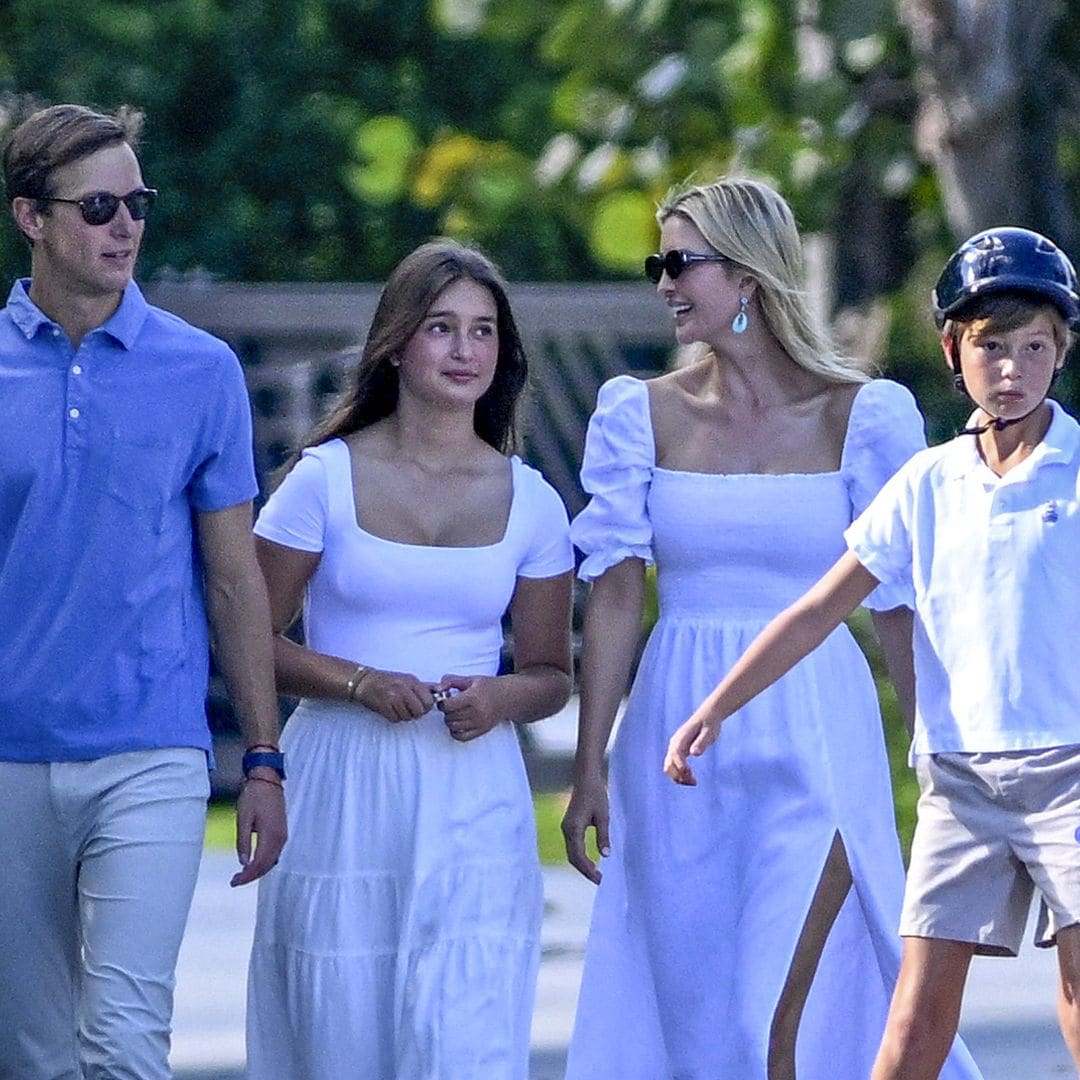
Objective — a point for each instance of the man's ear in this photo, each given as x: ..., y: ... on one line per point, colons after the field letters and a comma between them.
x: 27, y: 217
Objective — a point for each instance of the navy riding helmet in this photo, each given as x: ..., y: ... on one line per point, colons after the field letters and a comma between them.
x: 1007, y: 259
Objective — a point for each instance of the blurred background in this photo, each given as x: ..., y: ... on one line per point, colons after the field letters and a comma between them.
x: 302, y: 147
x: 319, y: 140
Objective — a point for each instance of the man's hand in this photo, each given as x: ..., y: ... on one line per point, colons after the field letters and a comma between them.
x: 260, y: 811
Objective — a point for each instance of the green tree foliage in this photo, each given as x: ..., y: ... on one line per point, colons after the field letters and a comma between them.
x: 298, y: 139
x: 318, y: 140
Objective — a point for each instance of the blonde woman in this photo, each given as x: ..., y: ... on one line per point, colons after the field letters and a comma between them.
x: 736, y: 475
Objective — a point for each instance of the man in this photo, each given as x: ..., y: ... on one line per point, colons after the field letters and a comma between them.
x: 125, y: 520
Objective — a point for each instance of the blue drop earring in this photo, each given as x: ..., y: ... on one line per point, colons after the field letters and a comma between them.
x: 741, y: 321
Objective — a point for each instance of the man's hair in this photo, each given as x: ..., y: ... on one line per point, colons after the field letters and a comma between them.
x: 56, y: 136
x: 1004, y: 311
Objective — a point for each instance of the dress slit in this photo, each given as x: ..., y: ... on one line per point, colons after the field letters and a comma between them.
x: 829, y: 896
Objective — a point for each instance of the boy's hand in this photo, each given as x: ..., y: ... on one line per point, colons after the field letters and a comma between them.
x: 691, y: 740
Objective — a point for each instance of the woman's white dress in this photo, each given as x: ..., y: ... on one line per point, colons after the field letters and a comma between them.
x: 707, y: 889
x: 398, y: 937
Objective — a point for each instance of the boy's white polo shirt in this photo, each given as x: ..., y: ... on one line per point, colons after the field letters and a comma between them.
x: 995, y: 563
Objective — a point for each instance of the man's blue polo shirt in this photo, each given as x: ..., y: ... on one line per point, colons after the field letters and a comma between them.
x: 106, y: 454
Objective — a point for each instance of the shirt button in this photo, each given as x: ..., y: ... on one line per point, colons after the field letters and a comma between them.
x: 73, y: 413
x: 56, y: 331
x: 76, y: 369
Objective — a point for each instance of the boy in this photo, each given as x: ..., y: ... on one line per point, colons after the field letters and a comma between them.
x: 987, y: 528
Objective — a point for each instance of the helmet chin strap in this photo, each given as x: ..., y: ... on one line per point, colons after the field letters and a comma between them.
x: 997, y: 423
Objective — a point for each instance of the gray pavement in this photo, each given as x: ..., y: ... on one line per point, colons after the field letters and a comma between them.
x: 1008, y: 1020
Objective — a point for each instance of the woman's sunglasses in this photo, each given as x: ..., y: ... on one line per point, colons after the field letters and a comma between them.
x: 100, y: 208
x: 674, y: 262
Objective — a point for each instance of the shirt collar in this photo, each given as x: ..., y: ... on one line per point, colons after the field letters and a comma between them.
x: 1060, y: 443
x: 123, y: 325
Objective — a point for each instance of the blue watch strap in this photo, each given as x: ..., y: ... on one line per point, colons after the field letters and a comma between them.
x: 268, y: 758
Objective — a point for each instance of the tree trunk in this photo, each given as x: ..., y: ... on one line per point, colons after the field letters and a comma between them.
x: 988, y: 118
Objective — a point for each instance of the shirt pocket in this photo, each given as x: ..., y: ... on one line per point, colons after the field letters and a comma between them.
x: 139, y: 472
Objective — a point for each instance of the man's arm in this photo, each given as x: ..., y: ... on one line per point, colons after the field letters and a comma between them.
x: 239, y: 615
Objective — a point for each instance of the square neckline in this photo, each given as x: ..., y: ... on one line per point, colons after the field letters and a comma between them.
x: 354, y: 515
x: 829, y: 473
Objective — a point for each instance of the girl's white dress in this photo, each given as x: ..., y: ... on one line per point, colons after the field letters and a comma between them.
x: 707, y: 889
x: 398, y: 937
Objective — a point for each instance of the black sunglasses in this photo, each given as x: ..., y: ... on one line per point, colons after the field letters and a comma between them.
x: 674, y: 262
x: 100, y: 208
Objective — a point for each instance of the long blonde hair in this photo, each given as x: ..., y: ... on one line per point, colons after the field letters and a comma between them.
x: 753, y: 226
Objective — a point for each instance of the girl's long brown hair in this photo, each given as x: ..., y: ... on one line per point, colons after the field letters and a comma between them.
x: 407, y: 296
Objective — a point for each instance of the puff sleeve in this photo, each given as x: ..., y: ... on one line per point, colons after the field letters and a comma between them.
x: 884, y: 431
x: 295, y: 515
x: 615, y: 473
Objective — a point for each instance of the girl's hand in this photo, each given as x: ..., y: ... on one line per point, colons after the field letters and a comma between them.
x: 691, y: 740
x: 395, y: 695
x: 474, y: 709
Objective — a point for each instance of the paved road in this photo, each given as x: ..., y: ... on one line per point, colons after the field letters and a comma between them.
x: 1008, y: 1021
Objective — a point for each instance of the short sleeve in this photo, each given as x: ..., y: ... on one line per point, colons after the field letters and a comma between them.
x: 226, y: 474
x: 881, y: 536
x: 885, y: 430
x: 295, y: 515
x: 616, y: 473
x: 548, y: 552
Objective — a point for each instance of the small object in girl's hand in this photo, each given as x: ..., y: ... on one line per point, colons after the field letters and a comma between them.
x: 440, y: 696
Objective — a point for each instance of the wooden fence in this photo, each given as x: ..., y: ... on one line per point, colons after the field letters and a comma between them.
x: 293, y: 341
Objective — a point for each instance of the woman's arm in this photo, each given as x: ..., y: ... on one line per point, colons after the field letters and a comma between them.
x: 302, y: 672
x: 793, y: 634
x: 542, y: 678
x: 895, y: 629
x: 611, y: 635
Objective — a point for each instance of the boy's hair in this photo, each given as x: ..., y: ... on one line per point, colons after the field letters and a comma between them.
x: 56, y: 136
x: 1002, y: 312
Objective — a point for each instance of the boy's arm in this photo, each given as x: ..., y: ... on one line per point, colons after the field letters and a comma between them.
x: 895, y: 629
x: 793, y: 634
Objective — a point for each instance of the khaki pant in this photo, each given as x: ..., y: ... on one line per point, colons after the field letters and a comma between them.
x: 98, y: 861
x: 994, y: 828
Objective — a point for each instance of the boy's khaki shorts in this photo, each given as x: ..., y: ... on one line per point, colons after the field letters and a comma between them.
x: 992, y: 828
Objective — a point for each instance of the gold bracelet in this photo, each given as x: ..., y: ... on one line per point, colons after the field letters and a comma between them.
x: 355, y: 679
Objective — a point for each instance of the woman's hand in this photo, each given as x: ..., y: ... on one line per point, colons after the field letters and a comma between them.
x: 395, y: 695
x: 691, y: 740
x: 474, y: 709
x: 588, y: 808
